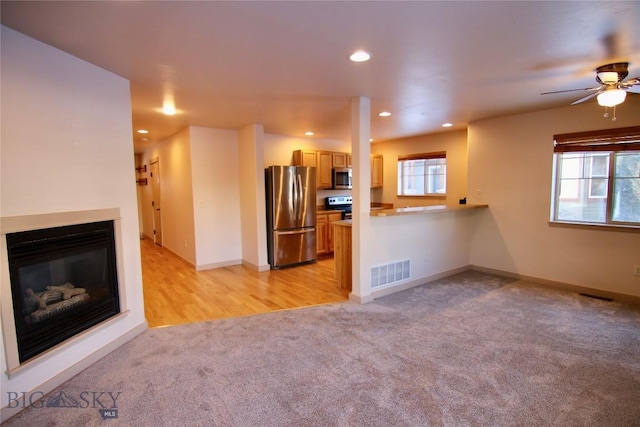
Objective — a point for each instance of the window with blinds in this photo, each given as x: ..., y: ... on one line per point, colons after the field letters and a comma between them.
x: 422, y: 174
x: 597, y: 177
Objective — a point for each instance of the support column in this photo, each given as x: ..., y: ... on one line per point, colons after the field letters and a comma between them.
x: 361, y: 150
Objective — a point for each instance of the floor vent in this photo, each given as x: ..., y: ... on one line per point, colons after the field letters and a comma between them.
x: 382, y: 275
x: 597, y: 297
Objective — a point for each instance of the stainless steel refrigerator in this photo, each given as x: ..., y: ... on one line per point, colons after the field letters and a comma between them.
x: 291, y: 215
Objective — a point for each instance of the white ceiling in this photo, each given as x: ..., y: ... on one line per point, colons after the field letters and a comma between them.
x: 285, y: 64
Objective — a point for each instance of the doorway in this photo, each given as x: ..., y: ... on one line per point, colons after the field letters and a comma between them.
x: 156, y: 201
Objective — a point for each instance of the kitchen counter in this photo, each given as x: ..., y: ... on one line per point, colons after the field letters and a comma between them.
x: 424, y: 210
x: 325, y: 210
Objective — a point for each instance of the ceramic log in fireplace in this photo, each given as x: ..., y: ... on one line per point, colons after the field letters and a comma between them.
x: 63, y: 281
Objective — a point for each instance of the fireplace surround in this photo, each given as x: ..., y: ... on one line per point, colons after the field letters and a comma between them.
x: 61, y: 272
x: 63, y: 281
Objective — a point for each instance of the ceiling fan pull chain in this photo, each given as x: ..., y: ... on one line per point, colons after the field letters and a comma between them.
x: 606, y: 112
x: 614, y: 114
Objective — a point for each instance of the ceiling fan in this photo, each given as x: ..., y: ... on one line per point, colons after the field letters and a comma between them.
x: 612, y: 90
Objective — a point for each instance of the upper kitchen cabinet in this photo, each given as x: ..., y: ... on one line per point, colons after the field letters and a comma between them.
x: 376, y: 171
x: 321, y: 160
x: 304, y: 158
x: 339, y: 160
x: 324, y: 161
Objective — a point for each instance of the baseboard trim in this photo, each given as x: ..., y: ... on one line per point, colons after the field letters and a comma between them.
x: 218, y: 265
x: 72, y: 371
x: 360, y: 299
x: 630, y: 299
x: 418, y: 282
x: 404, y: 286
x: 255, y: 266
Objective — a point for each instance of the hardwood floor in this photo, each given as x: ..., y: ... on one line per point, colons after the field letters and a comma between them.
x: 174, y: 293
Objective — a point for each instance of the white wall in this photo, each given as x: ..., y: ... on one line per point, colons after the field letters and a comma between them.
x: 216, y: 197
x: 67, y: 145
x: 510, y: 162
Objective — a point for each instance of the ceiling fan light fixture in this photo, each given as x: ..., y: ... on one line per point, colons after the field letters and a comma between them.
x: 608, y: 77
x: 612, y: 97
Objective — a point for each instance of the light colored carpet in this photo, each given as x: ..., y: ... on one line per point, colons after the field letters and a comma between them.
x: 472, y: 349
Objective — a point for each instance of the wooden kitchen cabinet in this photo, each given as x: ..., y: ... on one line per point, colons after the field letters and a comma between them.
x: 376, y: 171
x: 342, y: 257
x: 304, y: 158
x: 339, y: 160
x: 321, y: 233
x: 324, y: 231
x: 332, y: 217
x: 324, y: 163
x: 321, y: 160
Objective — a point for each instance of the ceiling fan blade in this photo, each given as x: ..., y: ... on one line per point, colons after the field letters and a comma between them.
x: 586, y: 98
x: 631, y: 82
x: 571, y: 90
x: 631, y: 85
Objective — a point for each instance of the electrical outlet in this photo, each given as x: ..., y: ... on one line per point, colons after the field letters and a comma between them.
x: 636, y: 270
x: 479, y: 194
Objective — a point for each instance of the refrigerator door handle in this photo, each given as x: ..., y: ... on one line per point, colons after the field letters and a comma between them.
x: 304, y: 230
x: 300, y: 199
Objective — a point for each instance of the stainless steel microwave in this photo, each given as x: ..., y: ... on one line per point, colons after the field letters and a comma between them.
x: 341, y: 178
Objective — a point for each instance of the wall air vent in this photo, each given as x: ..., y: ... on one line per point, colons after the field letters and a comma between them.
x: 383, y: 275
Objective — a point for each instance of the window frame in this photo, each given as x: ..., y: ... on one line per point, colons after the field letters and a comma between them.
x: 438, y: 155
x: 607, y: 175
x: 609, y: 142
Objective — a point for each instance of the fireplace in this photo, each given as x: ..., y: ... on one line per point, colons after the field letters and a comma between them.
x: 63, y: 281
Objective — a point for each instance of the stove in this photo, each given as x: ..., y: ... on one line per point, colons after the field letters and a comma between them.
x: 339, y: 203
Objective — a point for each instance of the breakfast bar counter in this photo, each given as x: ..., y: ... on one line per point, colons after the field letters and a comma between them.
x: 417, y: 210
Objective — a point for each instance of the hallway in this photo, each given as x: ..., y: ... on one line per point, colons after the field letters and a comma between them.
x: 174, y: 293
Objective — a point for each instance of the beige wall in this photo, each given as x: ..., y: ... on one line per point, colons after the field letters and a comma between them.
x: 216, y: 197
x: 510, y: 163
x: 453, y: 142
x: 66, y: 145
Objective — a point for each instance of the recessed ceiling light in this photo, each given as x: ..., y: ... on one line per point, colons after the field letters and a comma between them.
x: 309, y: 133
x: 384, y: 114
x: 360, y: 56
x: 370, y: 139
x: 143, y: 131
x: 447, y: 125
x: 169, y: 109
